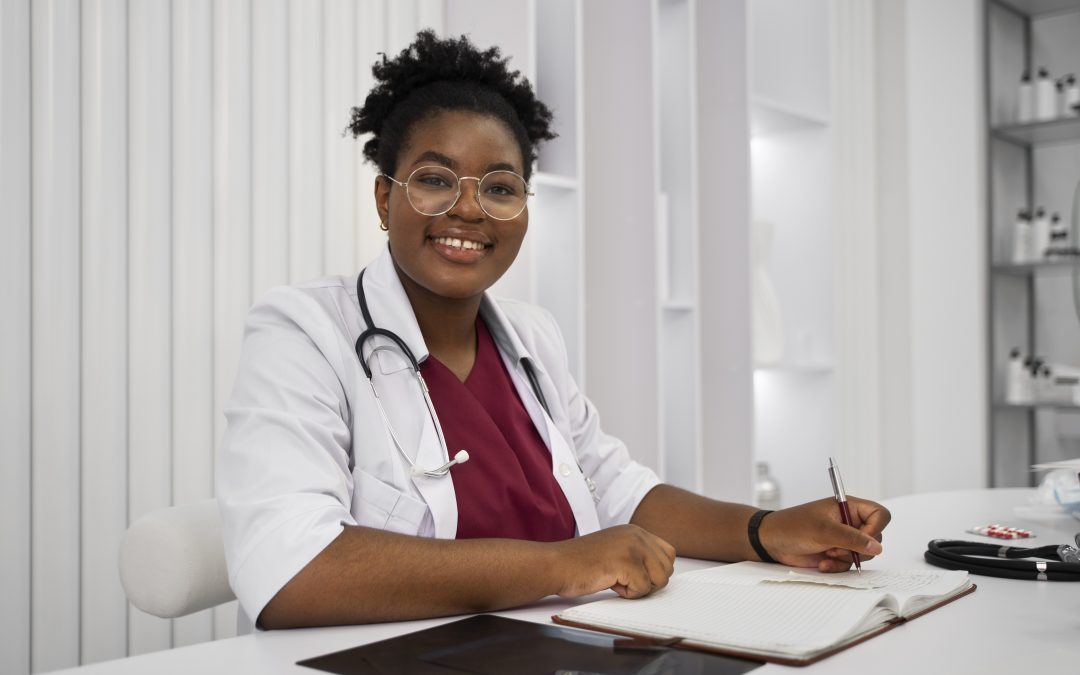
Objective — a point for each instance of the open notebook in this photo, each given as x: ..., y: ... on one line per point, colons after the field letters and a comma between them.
x: 773, y: 613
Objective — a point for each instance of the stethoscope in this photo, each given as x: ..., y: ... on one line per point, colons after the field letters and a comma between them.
x: 1060, y: 563
x: 461, y: 456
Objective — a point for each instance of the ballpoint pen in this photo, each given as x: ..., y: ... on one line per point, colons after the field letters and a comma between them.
x: 841, y: 499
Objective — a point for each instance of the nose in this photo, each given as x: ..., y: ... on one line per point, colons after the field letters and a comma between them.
x: 467, y: 206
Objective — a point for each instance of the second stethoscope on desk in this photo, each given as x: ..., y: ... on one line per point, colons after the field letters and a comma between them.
x: 461, y: 456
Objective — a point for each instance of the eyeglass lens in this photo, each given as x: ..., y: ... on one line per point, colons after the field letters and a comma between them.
x: 433, y: 190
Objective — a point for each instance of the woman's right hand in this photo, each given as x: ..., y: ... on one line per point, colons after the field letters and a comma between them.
x: 627, y: 559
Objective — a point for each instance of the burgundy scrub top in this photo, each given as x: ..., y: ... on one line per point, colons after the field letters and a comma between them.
x: 506, y: 489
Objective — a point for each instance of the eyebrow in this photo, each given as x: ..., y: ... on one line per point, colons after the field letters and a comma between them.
x: 431, y: 155
x: 451, y: 163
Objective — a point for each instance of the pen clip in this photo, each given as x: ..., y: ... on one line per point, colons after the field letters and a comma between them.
x: 837, y: 481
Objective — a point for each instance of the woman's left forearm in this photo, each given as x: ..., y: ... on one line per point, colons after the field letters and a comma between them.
x: 807, y: 535
x: 698, y: 527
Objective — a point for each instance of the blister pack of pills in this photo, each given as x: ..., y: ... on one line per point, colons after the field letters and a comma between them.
x: 998, y: 531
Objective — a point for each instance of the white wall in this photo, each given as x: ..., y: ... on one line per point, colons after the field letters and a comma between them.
x: 161, y: 164
x: 931, y: 168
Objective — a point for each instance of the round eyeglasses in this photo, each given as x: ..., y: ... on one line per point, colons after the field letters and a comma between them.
x: 434, y: 190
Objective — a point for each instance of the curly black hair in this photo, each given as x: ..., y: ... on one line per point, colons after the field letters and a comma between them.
x: 435, y: 74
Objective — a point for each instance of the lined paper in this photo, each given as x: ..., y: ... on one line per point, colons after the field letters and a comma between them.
x: 740, y: 607
x: 799, y: 619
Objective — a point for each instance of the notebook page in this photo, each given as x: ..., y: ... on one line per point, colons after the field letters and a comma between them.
x: 912, y: 589
x: 792, y: 619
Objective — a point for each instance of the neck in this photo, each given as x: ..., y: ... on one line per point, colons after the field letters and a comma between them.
x: 447, y: 324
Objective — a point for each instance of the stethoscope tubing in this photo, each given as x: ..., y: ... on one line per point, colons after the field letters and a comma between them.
x: 997, y: 560
x: 373, y: 331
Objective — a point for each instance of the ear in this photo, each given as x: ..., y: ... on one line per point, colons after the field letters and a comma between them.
x: 382, y: 198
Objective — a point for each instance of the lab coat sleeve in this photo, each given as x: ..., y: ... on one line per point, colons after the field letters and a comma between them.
x: 621, y: 481
x: 283, y: 479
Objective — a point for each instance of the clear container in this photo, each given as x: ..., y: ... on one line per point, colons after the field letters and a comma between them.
x: 766, y: 489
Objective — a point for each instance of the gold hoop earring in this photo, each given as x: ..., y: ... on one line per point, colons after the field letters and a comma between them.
x: 383, y: 226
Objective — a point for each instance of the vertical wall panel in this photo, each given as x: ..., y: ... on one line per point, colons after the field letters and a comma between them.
x: 150, y: 282
x: 15, y: 337
x: 619, y: 277
x: 54, y: 621
x: 160, y: 162
x: 270, y: 145
x: 232, y: 211
x: 431, y: 14
x: 727, y: 432
x: 306, y: 147
x: 192, y: 273
x: 370, y: 36
x: 104, y: 326
x: 402, y: 17
x: 339, y: 59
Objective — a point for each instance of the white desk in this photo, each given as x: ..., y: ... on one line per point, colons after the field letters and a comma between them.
x: 1006, y: 626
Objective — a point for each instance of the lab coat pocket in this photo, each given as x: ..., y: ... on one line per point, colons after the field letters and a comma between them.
x: 382, y: 506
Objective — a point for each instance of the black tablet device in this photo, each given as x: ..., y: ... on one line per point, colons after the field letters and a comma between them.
x: 494, y: 645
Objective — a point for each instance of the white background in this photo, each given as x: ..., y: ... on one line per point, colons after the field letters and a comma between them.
x: 163, y: 163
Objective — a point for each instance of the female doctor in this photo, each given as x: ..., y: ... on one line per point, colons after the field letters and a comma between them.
x: 340, y: 495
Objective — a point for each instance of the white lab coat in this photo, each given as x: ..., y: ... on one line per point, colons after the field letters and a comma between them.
x: 306, y: 450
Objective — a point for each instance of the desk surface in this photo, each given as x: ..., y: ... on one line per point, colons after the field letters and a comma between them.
x: 1005, y: 626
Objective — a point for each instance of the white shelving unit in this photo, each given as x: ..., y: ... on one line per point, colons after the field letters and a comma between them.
x: 544, y: 42
x: 623, y: 276
x: 1030, y: 164
x: 677, y: 267
x: 791, y: 173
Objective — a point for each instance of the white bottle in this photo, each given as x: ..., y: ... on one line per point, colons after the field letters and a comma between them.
x: 1058, y: 235
x: 1017, y: 380
x: 1040, y: 235
x: 1072, y: 97
x: 1045, y: 100
x: 1022, y: 238
x: 766, y: 489
x: 1058, y: 244
x: 1025, y: 99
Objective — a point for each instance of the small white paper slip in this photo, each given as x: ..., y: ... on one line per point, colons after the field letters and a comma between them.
x: 897, y: 580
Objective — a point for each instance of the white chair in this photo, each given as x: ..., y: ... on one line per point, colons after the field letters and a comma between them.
x: 172, y: 561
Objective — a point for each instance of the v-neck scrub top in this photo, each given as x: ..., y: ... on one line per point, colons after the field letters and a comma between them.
x: 307, y: 452
x: 506, y: 489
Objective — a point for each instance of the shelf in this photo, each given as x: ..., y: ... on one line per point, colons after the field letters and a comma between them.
x: 768, y: 118
x: 1029, y: 269
x: 820, y: 368
x: 1064, y: 130
x: 678, y: 306
x: 1035, y: 7
x: 551, y: 180
x: 1064, y: 407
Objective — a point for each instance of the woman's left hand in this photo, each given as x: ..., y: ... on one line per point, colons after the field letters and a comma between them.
x: 812, y: 534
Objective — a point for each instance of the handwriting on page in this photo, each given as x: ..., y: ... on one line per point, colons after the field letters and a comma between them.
x: 904, y: 581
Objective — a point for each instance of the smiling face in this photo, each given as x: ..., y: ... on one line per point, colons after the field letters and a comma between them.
x: 461, y: 253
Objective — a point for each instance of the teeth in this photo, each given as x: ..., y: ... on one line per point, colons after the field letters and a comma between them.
x: 459, y: 243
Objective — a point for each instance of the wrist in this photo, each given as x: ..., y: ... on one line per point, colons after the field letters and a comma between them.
x: 753, y: 534
x: 552, y: 560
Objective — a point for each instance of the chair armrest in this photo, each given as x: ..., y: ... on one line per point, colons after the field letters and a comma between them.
x: 172, y: 560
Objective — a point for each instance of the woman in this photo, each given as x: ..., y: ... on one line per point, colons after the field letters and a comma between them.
x: 340, y: 497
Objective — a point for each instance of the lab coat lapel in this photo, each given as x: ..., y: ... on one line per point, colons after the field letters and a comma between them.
x: 563, y: 458
x: 401, y: 396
